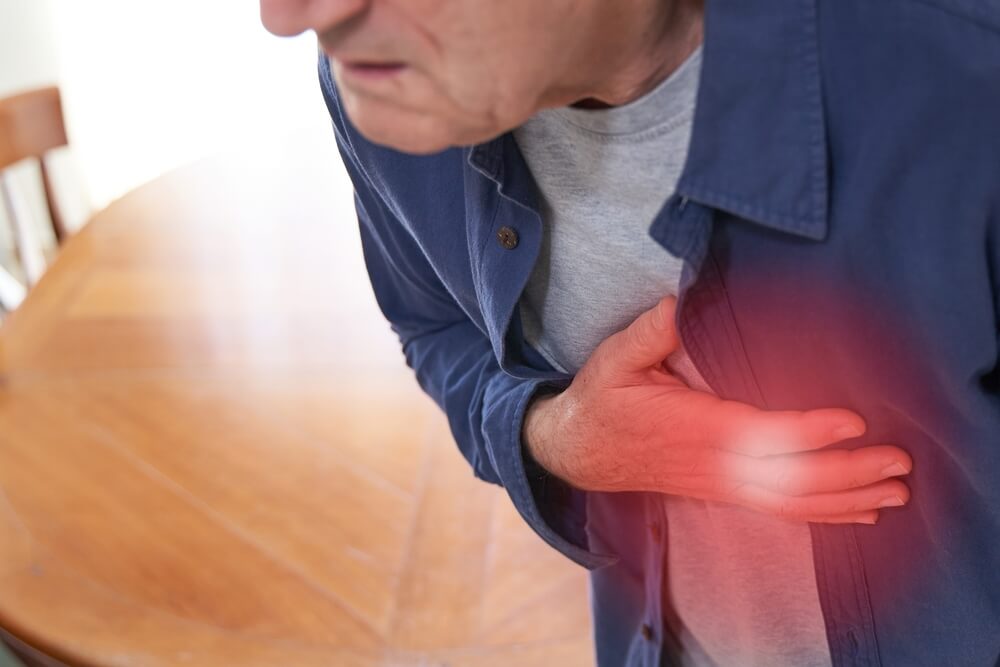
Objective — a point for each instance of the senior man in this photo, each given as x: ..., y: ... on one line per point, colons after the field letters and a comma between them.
x: 818, y: 183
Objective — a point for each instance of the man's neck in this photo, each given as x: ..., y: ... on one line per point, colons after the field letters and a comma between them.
x: 647, y: 46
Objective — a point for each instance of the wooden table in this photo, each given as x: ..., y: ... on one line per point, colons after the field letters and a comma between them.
x: 212, y: 453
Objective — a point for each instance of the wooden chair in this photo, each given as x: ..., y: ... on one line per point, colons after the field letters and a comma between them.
x: 31, y: 125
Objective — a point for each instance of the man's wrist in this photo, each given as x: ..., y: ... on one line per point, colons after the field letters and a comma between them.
x: 537, y: 432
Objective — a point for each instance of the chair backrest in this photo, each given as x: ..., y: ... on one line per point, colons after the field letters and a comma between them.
x: 31, y: 125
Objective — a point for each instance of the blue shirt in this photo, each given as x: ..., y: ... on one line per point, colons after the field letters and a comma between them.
x: 839, y: 213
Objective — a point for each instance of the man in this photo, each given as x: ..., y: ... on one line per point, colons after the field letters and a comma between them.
x: 819, y: 185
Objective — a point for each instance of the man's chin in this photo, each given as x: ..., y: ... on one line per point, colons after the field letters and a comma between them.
x: 415, y: 141
x: 415, y: 145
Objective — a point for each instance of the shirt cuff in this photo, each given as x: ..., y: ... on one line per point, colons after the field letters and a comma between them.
x: 554, y: 509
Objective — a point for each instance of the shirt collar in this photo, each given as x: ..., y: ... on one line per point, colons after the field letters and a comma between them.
x: 758, y: 143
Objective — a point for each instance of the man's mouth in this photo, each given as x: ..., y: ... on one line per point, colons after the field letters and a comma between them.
x: 373, y: 70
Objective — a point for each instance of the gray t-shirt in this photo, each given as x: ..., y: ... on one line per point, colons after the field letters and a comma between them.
x: 742, y: 583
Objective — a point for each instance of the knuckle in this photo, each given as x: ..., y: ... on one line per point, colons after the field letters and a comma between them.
x: 785, y: 482
x: 694, y: 467
x: 636, y: 335
x: 855, y: 506
x: 601, y: 353
x: 733, y: 491
x: 787, y: 508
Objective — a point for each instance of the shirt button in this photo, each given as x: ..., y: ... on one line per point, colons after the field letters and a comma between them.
x: 647, y: 632
x: 507, y: 237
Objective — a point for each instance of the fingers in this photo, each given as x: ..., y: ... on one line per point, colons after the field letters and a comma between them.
x: 646, y: 342
x: 889, y: 493
x: 744, y: 429
x: 856, y: 506
x: 832, y: 486
x: 801, y: 474
x: 822, y: 471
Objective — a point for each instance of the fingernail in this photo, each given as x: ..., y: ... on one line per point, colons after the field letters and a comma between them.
x: 847, y: 431
x: 869, y: 520
x: 891, y: 501
x: 894, y: 469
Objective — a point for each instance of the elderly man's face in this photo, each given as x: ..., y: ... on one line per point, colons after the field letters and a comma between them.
x: 422, y: 75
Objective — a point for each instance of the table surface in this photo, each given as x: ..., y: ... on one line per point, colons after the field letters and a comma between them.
x: 212, y: 452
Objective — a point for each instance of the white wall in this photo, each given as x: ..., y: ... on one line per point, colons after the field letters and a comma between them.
x: 152, y: 84
x: 149, y: 85
x: 27, y: 55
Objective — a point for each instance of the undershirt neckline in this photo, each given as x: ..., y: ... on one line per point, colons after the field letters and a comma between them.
x: 665, y: 104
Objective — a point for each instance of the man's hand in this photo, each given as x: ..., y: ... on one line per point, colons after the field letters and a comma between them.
x: 626, y: 423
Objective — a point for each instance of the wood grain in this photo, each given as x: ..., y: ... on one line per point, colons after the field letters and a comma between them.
x: 212, y: 452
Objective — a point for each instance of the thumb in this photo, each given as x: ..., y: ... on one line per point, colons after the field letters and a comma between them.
x: 650, y: 339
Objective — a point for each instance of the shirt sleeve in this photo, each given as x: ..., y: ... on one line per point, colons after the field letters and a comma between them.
x: 455, y: 365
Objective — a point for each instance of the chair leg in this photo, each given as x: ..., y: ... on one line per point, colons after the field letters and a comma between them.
x: 55, y: 213
x: 12, y: 292
x: 29, y: 252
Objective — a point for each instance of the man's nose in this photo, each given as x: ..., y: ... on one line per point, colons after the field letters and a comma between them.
x: 287, y: 18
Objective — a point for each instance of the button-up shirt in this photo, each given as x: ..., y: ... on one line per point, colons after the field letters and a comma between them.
x: 839, y: 216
